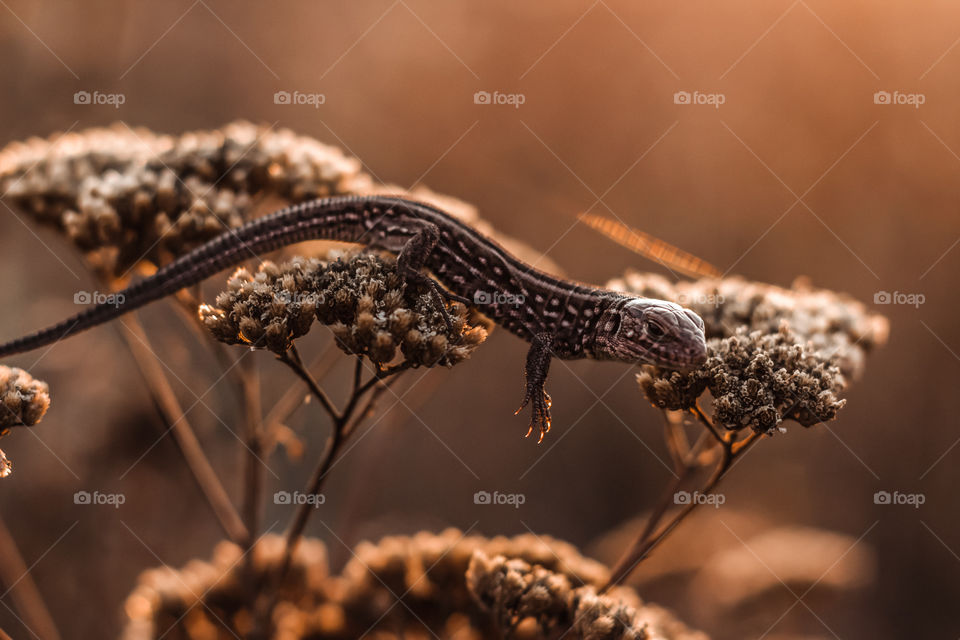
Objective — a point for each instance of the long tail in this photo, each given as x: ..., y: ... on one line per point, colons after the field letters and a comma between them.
x: 335, y: 218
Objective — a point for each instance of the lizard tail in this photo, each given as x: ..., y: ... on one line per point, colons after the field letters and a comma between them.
x: 313, y: 220
x: 71, y: 326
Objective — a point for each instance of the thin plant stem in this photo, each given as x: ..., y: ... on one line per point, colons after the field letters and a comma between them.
x: 708, y: 423
x: 293, y: 398
x: 254, y: 476
x: 676, y: 440
x: 292, y: 359
x: 343, y: 427
x: 648, y: 540
x: 172, y: 413
x: 15, y: 575
x: 344, y: 424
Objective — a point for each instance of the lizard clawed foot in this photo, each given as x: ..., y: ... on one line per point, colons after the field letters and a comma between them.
x: 438, y: 293
x: 540, y: 416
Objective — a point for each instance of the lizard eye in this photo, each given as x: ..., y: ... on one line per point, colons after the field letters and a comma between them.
x: 655, y: 329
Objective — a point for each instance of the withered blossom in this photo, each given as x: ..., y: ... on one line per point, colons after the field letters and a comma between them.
x: 126, y: 195
x: 23, y: 403
x: 444, y: 577
x: 369, y: 307
x: 774, y: 354
x: 757, y: 380
x: 515, y: 593
x: 23, y: 399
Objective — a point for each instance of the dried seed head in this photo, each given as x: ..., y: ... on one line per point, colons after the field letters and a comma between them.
x: 756, y: 380
x: 774, y: 354
x: 366, y: 304
x: 124, y: 195
x: 450, y: 581
x: 23, y: 400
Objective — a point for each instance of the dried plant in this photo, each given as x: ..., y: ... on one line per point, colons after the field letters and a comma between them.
x: 773, y: 355
x: 126, y: 196
x: 23, y: 400
x: 23, y: 403
x: 448, y: 585
x: 363, y: 299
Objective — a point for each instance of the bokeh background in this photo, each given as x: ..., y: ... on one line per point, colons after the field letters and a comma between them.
x: 798, y: 172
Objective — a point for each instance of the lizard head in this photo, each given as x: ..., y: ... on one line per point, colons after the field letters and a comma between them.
x: 647, y: 331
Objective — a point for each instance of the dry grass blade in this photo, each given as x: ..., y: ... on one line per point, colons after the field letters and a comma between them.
x: 672, y: 257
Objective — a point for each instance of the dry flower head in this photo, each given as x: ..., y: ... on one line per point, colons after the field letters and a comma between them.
x: 369, y: 307
x: 774, y: 354
x: 446, y: 578
x: 23, y: 399
x: 125, y: 195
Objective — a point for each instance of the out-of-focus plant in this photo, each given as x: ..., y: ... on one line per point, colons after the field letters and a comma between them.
x: 447, y: 585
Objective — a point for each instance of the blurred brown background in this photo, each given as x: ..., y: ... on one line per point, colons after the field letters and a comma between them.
x: 798, y: 172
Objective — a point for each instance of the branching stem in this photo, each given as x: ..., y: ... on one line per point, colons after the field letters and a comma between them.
x: 648, y: 540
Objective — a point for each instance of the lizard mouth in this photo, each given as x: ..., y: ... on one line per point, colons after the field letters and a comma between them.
x: 686, y: 361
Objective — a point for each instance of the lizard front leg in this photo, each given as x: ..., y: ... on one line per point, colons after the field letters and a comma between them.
x: 410, y: 260
x: 535, y: 374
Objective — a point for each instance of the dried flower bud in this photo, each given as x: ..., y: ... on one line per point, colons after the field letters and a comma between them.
x: 23, y: 400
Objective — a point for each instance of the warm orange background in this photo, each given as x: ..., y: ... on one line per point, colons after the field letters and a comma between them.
x: 878, y: 200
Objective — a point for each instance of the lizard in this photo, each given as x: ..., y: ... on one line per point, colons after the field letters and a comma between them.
x: 559, y: 318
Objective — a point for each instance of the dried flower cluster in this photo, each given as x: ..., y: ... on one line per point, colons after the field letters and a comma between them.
x: 757, y: 380
x: 370, y: 309
x: 774, y: 354
x: 124, y: 195
x: 23, y: 403
x: 429, y: 571
x: 516, y: 592
x: 23, y: 400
